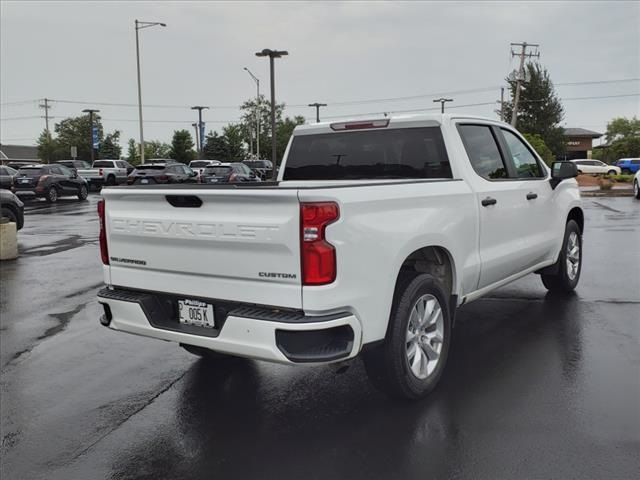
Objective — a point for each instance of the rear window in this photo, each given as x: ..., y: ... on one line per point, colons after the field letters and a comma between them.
x: 218, y: 171
x: 198, y: 164
x: 31, y: 171
x: 151, y: 167
x: 99, y: 164
x: 393, y: 153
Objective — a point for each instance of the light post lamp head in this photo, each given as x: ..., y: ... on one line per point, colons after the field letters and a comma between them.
x: 267, y: 52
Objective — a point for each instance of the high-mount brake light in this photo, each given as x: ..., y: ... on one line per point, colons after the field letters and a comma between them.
x: 360, y: 125
x: 104, y: 251
x: 318, y: 257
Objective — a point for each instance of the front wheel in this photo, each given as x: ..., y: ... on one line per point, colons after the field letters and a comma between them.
x: 83, y: 193
x: 411, y: 360
x: 636, y: 189
x: 52, y: 195
x: 611, y: 172
x: 569, y: 265
x: 10, y: 214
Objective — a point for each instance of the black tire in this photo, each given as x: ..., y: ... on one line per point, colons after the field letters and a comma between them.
x: 111, y: 180
x: 636, y: 189
x: 10, y: 214
x: 611, y: 172
x: 83, y: 192
x: 626, y: 171
x: 388, y: 365
x: 52, y: 195
x: 561, y: 280
x: 579, y: 172
x: 204, y: 353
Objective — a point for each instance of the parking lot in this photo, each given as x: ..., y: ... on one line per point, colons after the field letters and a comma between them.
x: 536, y: 386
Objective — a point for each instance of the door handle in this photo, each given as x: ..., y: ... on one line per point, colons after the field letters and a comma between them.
x: 532, y: 196
x: 488, y: 201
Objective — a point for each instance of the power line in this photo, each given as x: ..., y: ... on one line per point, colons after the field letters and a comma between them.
x: 603, y: 96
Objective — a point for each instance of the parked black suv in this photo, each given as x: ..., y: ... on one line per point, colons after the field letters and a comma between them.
x: 228, y: 173
x: 50, y: 182
x: 263, y: 168
x: 146, y: 174
x: 12, y: 208
x: 7, y: 174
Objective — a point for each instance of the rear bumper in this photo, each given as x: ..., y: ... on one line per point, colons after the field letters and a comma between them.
x: 260, y: 333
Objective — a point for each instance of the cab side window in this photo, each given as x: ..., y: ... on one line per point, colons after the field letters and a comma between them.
x: 483, y: 152
x: 525, y: 163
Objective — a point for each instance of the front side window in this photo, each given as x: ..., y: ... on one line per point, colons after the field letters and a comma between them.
x: 483, y: 152
x: 523, y: 159
x: 65, y: 170
x: 369, y: 154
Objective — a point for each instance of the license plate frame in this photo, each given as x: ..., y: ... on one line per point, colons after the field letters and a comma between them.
x: 197, y: 313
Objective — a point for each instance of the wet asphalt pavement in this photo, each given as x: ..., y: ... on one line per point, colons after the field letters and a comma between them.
x: 536, y: 386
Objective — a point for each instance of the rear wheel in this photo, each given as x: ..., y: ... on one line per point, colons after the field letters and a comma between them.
x: 611, y: 172
x: 626, y: 171
x: 111, y: 180
x: 83, y: 193
x: 579, y: 172
x: 569, y: 265
x: 410, y: 362
x: 52, y: 195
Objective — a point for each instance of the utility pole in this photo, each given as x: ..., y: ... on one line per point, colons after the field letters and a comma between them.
x: 257, y: 80
x: 267, y: 52
x: 442, y: 102
x: 195, y: 127
x: 91, y: 111
x: 199, y: 108
x: 317, y: 105
x: 46, y: 108
x: 520, y: 76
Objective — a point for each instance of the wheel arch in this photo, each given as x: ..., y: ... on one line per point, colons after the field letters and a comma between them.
x: 577, y: 215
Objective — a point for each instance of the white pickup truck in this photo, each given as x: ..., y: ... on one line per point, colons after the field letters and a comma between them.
x: 374, y: 234
x: 106, y: 172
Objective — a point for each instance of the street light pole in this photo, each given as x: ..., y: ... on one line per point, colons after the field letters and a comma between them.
x: 199, y: 142
x: 317, y: 105
x: 195, y: 127
x: 272, y: 54
x: 257, y: 80
x: 139, y: 26
x: 442, y: 102
x: 91, y: 111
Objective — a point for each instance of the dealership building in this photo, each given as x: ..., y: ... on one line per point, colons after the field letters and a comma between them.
x: 579, y: 143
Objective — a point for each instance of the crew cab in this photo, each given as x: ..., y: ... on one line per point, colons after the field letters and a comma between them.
x: 374, y: 233
x: 106, y: 172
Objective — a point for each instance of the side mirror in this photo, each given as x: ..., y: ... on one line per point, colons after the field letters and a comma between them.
x: 74, y: 173
x: 561, y: 171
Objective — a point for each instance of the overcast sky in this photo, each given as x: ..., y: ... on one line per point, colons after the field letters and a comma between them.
x: 338, y: 52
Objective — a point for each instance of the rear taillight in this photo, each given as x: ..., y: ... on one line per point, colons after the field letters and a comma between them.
x: 104, y: 251
x: 100, y: 171
x: 42, y: 178
x: 318, y: 257
x: 162, y: 178
x: 233, y: 177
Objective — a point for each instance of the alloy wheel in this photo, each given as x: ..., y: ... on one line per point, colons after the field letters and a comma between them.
x: 425, y: 336
x: 573, y: 256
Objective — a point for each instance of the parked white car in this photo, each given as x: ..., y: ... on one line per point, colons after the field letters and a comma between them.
x: 376, y: 232
x: 636, y: 185
x: 596, y: 166
x: 198, y: 166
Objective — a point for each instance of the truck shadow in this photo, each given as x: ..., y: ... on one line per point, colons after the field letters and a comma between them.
x: 248, y: 419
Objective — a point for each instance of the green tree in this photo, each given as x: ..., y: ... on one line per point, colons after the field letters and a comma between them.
x: 76, y: 131
x: 284, y: 130
x: 46, y: 147
x: 234, y: 142
x: 215, y: 147
x: 539, y: 146
x: 248, y: 121
x: 182, y: 146
x: 156, y: 149
x: 623, y: 140
x: 110, y: 146
x: 133, y: 152
x: 540, y: 111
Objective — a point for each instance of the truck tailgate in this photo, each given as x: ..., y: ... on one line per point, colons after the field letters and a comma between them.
x: 238, y: 245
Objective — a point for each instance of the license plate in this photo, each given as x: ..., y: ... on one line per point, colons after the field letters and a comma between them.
x: 195, y: 312
x: 144, y: 180
x: 213, y: 180
x: 24, y: 181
